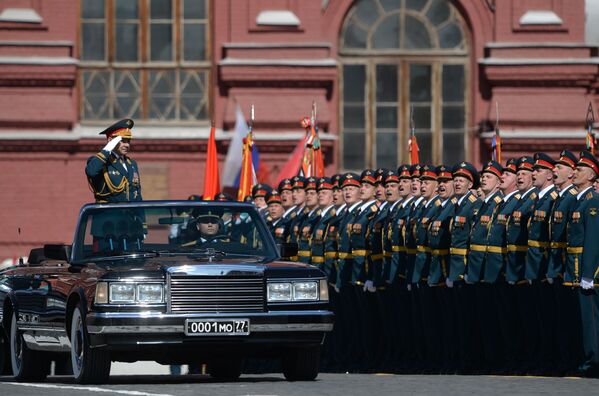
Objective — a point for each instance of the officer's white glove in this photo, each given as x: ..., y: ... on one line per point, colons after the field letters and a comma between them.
x: 586, y: 284
x: 466, y: 278
x: 449, y: 282
x: 511, y: 283
x: 112, y: 143
x: 550, y: 281
x: 530, y: 282
x: 409, y: 287
x: 371, y: 288
x: 368, y: 285
x: 336, y: 289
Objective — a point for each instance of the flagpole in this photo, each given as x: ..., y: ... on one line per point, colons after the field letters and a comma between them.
x: 590, y: 137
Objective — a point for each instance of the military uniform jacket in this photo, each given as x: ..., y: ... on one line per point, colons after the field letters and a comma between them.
x: 331, y: 244
x: 113, y: 179
x: 517, y: 237
x: 360, y: 247
x: 345, y: 260
x: 478, y: 237
x: 305, y: 235
x: 562, y: 209
x: 439, y: 241
x: 375, y: 241
x: 537, y: 257
x: 460, y: 227
x: 583, y: 246
x: 409, y: 233
x: 398, y: 246
x: 319, y: 231
x: 496, y: 256
x: 423, y: 251
x: 388, y: 228
x: 294, y: 227
x: 282, y: 229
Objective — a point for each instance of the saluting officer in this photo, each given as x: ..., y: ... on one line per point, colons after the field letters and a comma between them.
x: 112, y: 175
x: 582, y: 267
x: 311, y: 217
x: 465, y: 179
x: 567, y: 318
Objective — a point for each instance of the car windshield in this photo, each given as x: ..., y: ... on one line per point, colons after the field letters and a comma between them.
x: 215, y: 230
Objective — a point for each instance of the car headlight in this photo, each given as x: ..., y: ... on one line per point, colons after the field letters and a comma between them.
x: 149, y: 293
x: 122, y: 292
x: 279, y: 292
x: 305, y: 291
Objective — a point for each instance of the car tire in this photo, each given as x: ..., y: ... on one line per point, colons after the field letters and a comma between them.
x: 302, y: 364
x: 225, y: 370
x: 27, y: 365
x: 90, y: 365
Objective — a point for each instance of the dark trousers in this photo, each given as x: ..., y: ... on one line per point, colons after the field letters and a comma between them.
x: 429, y: 313
x: 510, y: 326
x: 589, y: 311
x: 419, y: 361
x: 568, y: 326
x: 472, y: 351
x: 489, y: 326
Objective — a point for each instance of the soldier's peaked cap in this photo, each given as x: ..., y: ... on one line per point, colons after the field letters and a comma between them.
x: 120, y: 128
x: 511, y: 165
x: 298, y: 182
x: 260, y: 190
x: 467, y: 170
x: 273, y: 197
x: 350, y: 179
x: 567, y: 158
x: 544, y: 161
x: 311, y: 183
x: 428, y: 173
x: 443, y: 173
x: 589, y: 160
x: 525, y: 163
x: 285, y: 184
x: 404, y: 172
x: 415, y: 171
x: 390, y: 177
x: 324, y: 183
x: 368, y: 177
x: 493, y: 167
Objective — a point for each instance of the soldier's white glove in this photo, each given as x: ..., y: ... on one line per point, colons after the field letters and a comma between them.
x: 466, y: 278
x: 112, y: 143
x: 550, y: 281
x: 372, y: 289
x: 368, y: 285
x: 511, y: 283
x: 449, y: 282
x: 409, y: 287
x: 586, y: 284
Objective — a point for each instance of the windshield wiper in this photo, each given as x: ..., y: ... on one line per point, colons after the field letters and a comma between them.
x: 123, y: 254
x: 207, y: 252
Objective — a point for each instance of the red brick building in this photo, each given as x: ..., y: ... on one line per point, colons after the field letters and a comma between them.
x: 69, y: 68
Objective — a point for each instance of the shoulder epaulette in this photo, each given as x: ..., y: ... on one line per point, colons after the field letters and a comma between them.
x: 573, y: 191
x: 554, y: 194
x: 497, y: 199
x: 533, y: 195
x: 518, y: 196
x: 589, y: 195
x: 374, y: 208
x: 333, y: 212
x: 292, y: 215
x: 472, y: 198
x: 454, y: 200
x: 318, y: 212
x: 437, y: 202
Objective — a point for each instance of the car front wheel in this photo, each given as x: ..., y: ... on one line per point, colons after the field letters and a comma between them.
x: 27, y: 365
x: 90, y: 365
x: 302, y: 364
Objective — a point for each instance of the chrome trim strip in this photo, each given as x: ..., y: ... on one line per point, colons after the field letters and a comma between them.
x: 258, y: 328
x: 159, y: 315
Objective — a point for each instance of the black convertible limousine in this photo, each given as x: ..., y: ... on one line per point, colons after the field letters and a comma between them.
x: 176, y: 282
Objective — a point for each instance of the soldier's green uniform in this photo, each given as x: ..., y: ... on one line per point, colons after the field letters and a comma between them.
x: 320, y: 230
x: 583, y: 264
x: 297, y: 182
x: 567, y: 318
x: 305, y: 227
x: 114, y: 178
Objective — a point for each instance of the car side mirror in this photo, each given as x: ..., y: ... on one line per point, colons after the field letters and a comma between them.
x: 288, y: 249
x: 57, y: 252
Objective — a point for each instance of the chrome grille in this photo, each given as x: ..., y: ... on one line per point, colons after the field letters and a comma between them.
x: 212, y: 295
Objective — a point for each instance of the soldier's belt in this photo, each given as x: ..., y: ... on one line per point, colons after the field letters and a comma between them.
x: 440, y: 252
x: 398, y: 248
x: 575, y: 250
x: 377, y: 256
x: 538, y: 244
x: 423, y: 249
x: 558, y: 245
x: 304, y: 253
x: 330, y: 254
x: 497, y: 249
x: 317, y: 259
x: 388, y: 254
x: 517, y: 248
x: 411, y: 251
x: 360, y: 253
x: 343, y: 255
x: 459, y: 251
x: 478, y: 248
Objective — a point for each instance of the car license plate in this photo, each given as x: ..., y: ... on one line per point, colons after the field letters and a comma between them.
x: 198, y: 327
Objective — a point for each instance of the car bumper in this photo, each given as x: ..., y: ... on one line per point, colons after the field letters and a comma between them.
x: 130, y: 330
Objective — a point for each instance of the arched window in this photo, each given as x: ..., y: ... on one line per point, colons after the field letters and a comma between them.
x: 398, y: 54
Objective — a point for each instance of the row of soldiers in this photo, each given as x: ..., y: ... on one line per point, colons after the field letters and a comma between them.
x: 426, y: 276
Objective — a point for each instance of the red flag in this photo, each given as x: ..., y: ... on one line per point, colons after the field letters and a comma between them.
x: 413, y: 149
x: 211, y: 178
x: 317, y: 158
x: 292, y: 165
x: 247, y: 179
